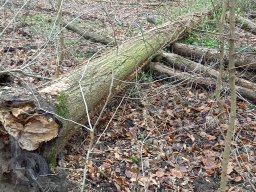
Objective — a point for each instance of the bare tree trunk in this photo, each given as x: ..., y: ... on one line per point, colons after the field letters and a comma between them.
x: 232, y: 118
x: 60, y: 44
x: 197, y: 79
x: 90, y: 84
x: 221, y: 66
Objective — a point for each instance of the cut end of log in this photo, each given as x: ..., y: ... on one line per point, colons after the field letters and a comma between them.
x: 55, y: 89
x: 22, y: 120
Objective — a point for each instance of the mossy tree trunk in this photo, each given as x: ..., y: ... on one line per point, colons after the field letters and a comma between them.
x: 91, y: 82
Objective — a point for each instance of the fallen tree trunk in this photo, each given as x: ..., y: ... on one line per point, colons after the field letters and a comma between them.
x: 207, y: 54
x: 180, y: 62
x: 246, y: 24
x: 200, y: 80
x: 252, y: 15
x: 183, y: 76
x: 84, y: 90
x: 87, y: 35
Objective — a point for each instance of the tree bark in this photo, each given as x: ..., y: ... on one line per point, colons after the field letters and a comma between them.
x: 60, y: 42
x: 221, y: 48
x: 207, y: 54
x: 232, y: 84
x: 82, y: 91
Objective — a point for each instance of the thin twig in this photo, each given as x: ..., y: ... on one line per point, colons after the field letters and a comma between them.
x: 24, y: 73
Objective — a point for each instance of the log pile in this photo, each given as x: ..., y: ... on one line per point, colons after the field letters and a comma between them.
x: 200, y: 74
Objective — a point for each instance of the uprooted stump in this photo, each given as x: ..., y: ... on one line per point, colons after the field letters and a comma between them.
x: 23, y: 118
x: 27, y: 171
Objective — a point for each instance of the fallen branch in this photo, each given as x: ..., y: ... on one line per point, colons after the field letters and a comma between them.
x: 23, y: 73
x: 87, y: 35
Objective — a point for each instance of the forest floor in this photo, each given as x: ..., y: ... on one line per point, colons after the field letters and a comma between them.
x: 158, y: 134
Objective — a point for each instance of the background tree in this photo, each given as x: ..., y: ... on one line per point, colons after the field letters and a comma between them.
x: 232, y: 79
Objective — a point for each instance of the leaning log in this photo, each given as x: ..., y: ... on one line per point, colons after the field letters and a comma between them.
x: 207, y: 55
x: 200, y: 80
x: 82, y: 91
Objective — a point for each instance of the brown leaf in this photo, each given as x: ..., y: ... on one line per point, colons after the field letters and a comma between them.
x: 117, y: 156
x: 210, y: 163
x: 242, y: 105
x: 160, y: 173
x: 202, y: 108
x: 211, y: 137
x: 120, y: 181
x: 128, y: 174
x: 230, y: 168
x: 176, y: 173
x: 224, y: 126
x: 191, y: 136
x: 238, y: 179
x: 169, y: 112
x: 243, y: 157
x: 235, y: 189
x: 144, y: 181
x: 202, y: 95
x: 187, y: 110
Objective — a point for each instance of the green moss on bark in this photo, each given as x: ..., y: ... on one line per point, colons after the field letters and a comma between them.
x: 52, y: 158
x: 61, y: 108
